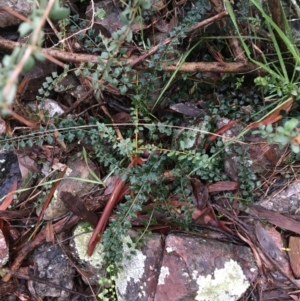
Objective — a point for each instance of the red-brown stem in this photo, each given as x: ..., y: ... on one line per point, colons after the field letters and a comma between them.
x: 118, y: 193
x: 114, y: 198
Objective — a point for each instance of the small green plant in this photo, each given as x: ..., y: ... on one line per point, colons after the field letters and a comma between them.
x: 23, y: 59
x: 283, y: 79
x: 288, y: 133
x: 150, y: 136
x: 107, y: 284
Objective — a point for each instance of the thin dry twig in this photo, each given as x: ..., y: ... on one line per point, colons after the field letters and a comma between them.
x: 37, y: 279
x: 118, y: 132
x: 80, y: 31
x: 169, y: 40
x: 133, y: 61
x: 15, y: 14
x: 84, y: 97
x: 29, y: 50
x: 231, y: 67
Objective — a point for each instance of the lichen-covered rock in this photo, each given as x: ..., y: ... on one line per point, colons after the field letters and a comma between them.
x: 93, y: 265
x: 226, y: 284
x: 138, y: 279
x: 200, y: 269
x: 138, y: 274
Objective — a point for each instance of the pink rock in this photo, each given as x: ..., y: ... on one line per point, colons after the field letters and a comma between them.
x: 4, y: 252
x: 138, y: 280
x: 199, y: 269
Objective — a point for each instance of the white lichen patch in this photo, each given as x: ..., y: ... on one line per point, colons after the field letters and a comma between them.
x: 169, y: 249
x: 228, y: 284
x: 133, y: 268
x: 164, y: 272
x: 81, y: 240
x: 185, y: 274
x: 194, y: 274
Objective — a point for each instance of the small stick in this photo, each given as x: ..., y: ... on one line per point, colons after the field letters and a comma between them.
x: 36, y: 279
x: 84, y: 97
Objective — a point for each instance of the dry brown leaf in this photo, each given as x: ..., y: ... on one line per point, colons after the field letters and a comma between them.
x: 216, y: 134
x: 76, y: 205
x: 275, y: 218
x: 271, y: 243
x: 121, y: 117
x: 274, y: 116
x: 10, y: 196
x: 200, y: 193
x: 223, y: 186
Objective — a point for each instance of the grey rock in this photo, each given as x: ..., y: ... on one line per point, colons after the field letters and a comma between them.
x: 23, y: 7
x: 287, y: 201
x: 4, y: 251
x: 52, y: 265
x: 9, y: 171
x: 204, y: 269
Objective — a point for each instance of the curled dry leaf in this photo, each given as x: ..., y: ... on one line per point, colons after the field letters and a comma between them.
x: 121, y: 117
x: 10, y: 196
x: 200, y: 193
x: 76, y: 205
x: 212, y: 137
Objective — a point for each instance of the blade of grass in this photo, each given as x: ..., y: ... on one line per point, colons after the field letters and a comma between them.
x: 278, y: 52
x: 245, y: 47
x: 291, y: 47
x: 90, y: 170
x: 181, y: 61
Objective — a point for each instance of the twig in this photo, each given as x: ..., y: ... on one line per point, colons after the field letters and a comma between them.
x: 49, y: 197
x: 15, y: 14
x: 29, y: 123
x: 115, y: 196
x: 119, y: 191
x: 118, y: 132
x: 169, y: 40
x: 29, y: 50
x: 84, y: 97
x: 235, y: 67
x: 82, y: 30
x: 54, y: 60
x: 36, y: 279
